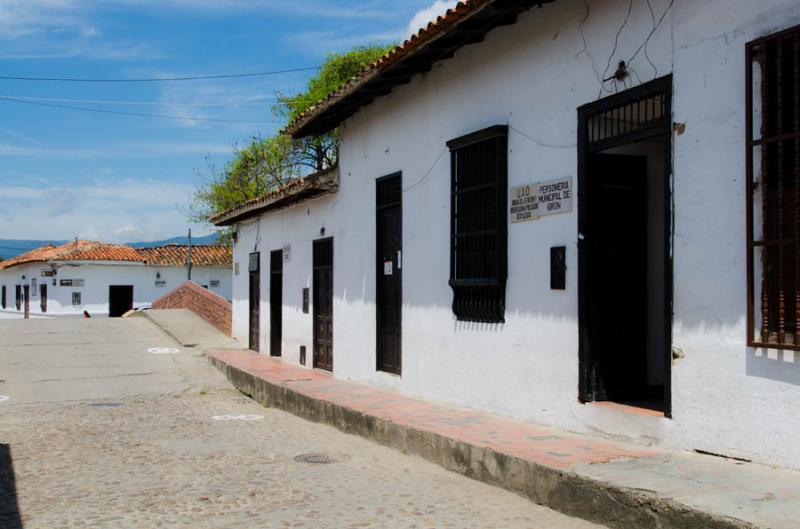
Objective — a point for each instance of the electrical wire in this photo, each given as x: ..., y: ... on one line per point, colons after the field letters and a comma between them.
x: 138, y: 103
x: 137, y: 114
x: 435, y: 163
x: 541, y: 143
x: 156, y: 79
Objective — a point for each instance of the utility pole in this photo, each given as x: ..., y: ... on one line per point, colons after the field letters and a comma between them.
x: 189, y: 257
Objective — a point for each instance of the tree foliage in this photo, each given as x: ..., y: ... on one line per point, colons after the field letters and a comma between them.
x: 264, y: 164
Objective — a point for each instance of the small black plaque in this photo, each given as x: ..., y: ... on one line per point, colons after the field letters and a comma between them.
x: 303, y: 355
x: 305, y: 300
x: 255, y: 262
x: 558, y: 268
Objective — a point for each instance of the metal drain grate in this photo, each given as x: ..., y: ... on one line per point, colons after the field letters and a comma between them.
x: 315, y: 459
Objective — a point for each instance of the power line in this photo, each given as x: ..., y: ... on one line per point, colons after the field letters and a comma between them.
x: 262, y: 102
x: 138, y: 114
x: 156, y: 79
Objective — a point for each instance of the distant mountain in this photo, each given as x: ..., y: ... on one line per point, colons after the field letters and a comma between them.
x: 200, y: 241
x: 12, y: 247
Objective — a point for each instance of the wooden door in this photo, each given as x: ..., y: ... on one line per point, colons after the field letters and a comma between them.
x: 3, y: 297
x: 255, y: 302
x: 43, y: 297
x: 27, y: 298
x: 120, y: 300
x: 18, y: 297
x: 617, y: 241
x: 323, y: 304
x: 389, y: 274
x: 275, y: 302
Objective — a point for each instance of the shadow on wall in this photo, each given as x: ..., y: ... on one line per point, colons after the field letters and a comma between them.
x: 9, y: 506
x: 781, y: 366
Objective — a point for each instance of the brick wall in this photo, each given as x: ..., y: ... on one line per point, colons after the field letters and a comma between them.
x: 213, y: 308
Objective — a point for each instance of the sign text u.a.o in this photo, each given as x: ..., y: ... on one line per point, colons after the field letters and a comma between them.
x: 531, y: 201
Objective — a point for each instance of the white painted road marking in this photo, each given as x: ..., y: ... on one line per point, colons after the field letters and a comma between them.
x: 238, y: 417
x: 4, y: 398
x: 163, y: 350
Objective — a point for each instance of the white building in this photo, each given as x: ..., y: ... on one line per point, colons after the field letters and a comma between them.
x: 104, y: 278
x: 627, y: 296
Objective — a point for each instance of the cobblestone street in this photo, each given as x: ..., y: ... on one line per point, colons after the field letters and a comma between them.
x: 173, y: 450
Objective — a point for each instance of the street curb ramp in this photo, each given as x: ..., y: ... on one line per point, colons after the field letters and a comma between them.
x: 567, y: 492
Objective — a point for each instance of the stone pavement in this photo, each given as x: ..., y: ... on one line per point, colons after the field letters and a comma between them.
x: 141, y: 440
x: 608, y: 482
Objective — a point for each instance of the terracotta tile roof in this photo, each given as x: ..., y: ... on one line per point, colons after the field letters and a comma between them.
x: 175, y: 255
x: 76, y: 251
x: 466, y: 23
x: 295, y: 191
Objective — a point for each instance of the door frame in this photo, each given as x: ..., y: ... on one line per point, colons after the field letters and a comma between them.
x: 254, y: 305
x: 663, y: 131
x: 314, y: 362
x: 379, y: 275
x: 276, y: 305
x: 43, y: 296
x: 127, y: 287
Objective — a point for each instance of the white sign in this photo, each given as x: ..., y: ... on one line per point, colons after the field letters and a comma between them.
x: 163, y: 351
x: 388, y: 268
x: 529, y: 202
x: 238, y: 418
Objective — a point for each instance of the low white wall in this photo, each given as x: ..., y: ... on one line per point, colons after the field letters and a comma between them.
x: 533, y: 75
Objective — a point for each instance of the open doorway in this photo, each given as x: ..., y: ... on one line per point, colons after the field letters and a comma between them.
x: 625, y: 267
x: 120, y: 300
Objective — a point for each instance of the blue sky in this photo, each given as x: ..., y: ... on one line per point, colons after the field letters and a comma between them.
x: 66, y: 173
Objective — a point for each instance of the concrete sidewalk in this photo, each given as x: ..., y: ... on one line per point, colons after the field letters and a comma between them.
x: 188, y: 329
x: 618, y: 485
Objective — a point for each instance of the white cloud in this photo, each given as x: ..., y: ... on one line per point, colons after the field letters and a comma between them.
x: 424, y: 16
x: 113, y: 210
x: 133, y: 150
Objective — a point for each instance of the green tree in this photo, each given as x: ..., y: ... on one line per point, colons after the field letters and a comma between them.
x: 322, y: 152
x: 265, y: 164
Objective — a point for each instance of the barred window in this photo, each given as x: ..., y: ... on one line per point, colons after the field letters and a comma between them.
x: 478, y: 234
x: 773, y: 190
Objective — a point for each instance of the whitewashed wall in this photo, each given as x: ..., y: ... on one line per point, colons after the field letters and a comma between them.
x: 98, y: 277
x: 533, y: 75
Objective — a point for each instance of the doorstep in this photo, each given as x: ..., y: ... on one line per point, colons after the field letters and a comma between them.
x: 615, y: 484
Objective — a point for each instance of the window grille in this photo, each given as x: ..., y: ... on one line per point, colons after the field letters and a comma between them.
x: 76, y: 298
x: 773, y: 190
x: 478, y: 235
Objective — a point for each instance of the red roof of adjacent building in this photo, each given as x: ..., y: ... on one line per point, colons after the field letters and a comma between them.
x: 76, y: 251
x: 176, y: 255
x: 466, y: 23
x: 170, y: 255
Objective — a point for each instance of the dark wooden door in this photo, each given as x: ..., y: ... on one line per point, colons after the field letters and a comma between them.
x: 3, y: 297
x: 617, y: 268
x: 323, y: 304
x: 18, y: 297
x: 389, y: 274
x: 255, y: 302
x: 275, y: 302
x: 27, y: 299
x: 43, y: 297
x: 120, y: 300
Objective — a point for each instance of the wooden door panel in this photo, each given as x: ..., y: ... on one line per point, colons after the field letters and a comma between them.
x: 389, y: 268
x: 323, y: 304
